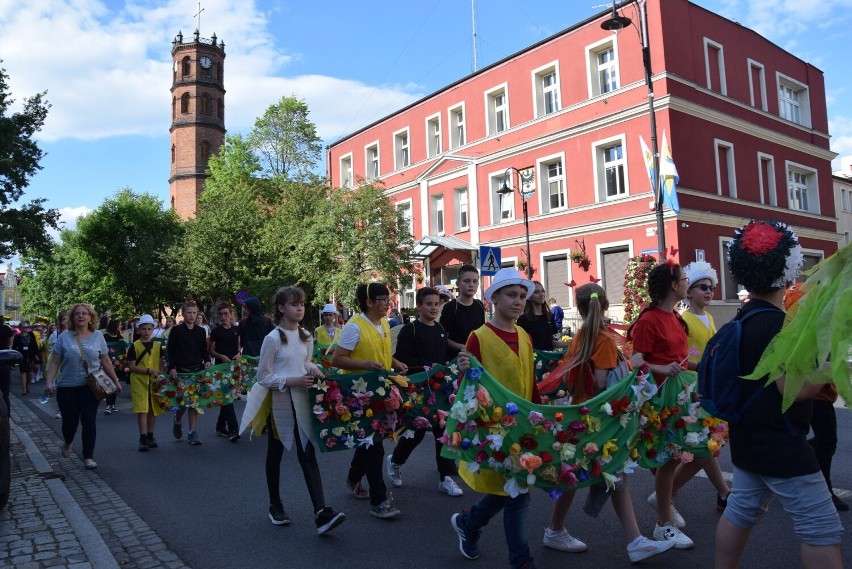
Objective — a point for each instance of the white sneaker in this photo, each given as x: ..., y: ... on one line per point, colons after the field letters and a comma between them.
x: 563, y: 541
x: 642, y: 548
x: 449, y: 486
x: 678, y: 520
x: 670, y: 533
x: 393, y: 471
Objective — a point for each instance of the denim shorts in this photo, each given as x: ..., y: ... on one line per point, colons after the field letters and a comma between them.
x: 806, y: 498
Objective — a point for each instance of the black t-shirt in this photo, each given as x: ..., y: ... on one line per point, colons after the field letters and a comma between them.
x: 540, y: 328
x: 131, y: 351
x: 420, y: 345
x: 187, y: 348
x: 226, y: 340
x: 252, y: 334
x: 6, y: 335
x: 460, y: 320
x: 765, y: 441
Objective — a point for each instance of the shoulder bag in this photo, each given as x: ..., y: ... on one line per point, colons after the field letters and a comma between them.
x: 99, y: 382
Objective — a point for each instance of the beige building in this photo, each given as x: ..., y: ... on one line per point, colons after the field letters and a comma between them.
x: 842, y: 180
x: 10, y: 295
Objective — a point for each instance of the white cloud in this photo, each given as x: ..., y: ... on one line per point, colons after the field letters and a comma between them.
x: 68, y: 218
x: 107, y: 72
x: 840, y: 128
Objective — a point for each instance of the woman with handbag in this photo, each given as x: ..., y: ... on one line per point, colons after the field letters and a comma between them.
x: 82, y: 352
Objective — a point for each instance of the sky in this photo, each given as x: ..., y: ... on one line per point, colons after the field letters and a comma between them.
x: 106, y: 67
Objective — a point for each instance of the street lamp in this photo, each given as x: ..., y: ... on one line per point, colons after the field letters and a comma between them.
x: 615, y: 23
x: 527, y: 190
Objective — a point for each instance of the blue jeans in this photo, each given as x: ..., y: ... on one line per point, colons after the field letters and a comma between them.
x: 514, y: 522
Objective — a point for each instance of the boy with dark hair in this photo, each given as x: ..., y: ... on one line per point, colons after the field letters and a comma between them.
x: 224, y: 347
x: 464, y: 314
x: 187, y: 349
x: 769, y: 447
x: 365, y: 344
x: 420, y: 345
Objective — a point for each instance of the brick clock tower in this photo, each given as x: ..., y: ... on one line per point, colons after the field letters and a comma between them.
x: 198, y: 117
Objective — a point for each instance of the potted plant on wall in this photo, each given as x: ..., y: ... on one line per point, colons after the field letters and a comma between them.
x: 579, y: 257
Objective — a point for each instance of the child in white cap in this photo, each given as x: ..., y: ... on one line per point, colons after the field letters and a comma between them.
x: 327, y: 334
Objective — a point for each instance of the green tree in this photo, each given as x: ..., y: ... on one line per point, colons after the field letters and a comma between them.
x: 129, y: 238
x: 54, y: 282
x: 220, y: 252
x: 23, y: 227
x: 286, y: 140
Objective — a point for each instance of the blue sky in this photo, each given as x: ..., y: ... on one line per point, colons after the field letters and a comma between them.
x: 106, y: 66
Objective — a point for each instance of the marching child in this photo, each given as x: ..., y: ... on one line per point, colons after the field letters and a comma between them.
x: 284, y: 374
x: 464, y: 314
x: 506, y: 352
x: 420, y: 345
x: 365, y: 344
x: 593, y: 363
x: 328, y: 333
x: 144, y: 355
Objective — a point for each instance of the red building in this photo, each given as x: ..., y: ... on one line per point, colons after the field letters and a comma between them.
x: 746, y: 122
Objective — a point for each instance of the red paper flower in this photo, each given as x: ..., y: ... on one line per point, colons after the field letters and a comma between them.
x: 760, y: 238
x: 528, y: 442
x: 546, y: 457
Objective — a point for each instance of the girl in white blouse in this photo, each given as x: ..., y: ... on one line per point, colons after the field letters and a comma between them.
x: 280, y: 398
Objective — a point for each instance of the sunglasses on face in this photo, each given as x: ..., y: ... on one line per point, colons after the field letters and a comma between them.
x: 705, y: 287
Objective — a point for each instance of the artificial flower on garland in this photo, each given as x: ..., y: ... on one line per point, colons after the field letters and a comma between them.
x: 216, y: 386
x: 636, y: 285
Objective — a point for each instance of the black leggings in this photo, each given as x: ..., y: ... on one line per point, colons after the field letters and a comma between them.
x: 307, y: 460
x: 824, y: 441
x: 78, y: 406
x: 446, y: 466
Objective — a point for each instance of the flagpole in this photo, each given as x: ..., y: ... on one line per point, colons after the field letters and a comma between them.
x: 656, y: 186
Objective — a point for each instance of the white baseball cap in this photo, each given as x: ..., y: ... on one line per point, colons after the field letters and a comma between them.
x: 507, y: 277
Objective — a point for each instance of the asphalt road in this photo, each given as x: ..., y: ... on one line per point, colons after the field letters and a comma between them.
x: 209, y: 503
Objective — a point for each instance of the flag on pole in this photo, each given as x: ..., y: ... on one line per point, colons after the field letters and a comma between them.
x: 649, y: 161
x: 668, y: 177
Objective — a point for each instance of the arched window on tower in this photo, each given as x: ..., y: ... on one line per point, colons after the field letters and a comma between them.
x: 219, y: 72
x: 220, y: 108
x: 184, y: 103
x: 205, y: 152
x: 205, y: 104
x: 173, y: 153
x: 186, y: 67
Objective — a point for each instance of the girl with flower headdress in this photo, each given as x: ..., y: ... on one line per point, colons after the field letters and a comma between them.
x: 590, y: 364
x: 661, y: 336
x: 702, y: 281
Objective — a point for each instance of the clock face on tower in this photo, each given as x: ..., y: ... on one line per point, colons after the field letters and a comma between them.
x: 206, y: 62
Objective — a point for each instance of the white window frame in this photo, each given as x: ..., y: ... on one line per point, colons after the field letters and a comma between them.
x: 804, y: 104
x: 593, y: 67
x: 724, y: 270
x: 493, y: 111
x: 844, y: 199
x: 462, y: 207
x: 542, y: 92
x: 406, y: 206
x: 372, y: 168
x: 730, y: 165
x: 458, y: 128
x: 434, y: 136
x: 768, y: 188
x: 401, y: 149
x: 347, y: 179
x: 495, y: 182
x: 439, y: 222
x: 752, y: 65
x: 720, y: 62
x: 598, y: 149
x: 542, y: 173
x: 812, y: 178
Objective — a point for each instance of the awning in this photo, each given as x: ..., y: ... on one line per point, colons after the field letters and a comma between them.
x: 427, y: 246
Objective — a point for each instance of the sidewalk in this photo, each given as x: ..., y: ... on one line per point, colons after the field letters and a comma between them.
x: 60, y: 515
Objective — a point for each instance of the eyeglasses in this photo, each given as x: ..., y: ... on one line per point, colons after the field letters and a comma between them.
x: 705, y: 287
x: 381, y: 299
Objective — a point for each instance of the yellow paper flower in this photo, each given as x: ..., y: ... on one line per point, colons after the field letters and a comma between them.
x: 515, y: 449
x: 609, y: 448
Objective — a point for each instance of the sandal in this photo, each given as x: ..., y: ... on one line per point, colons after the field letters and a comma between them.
x: 66, y: 452
x: 91, y: 465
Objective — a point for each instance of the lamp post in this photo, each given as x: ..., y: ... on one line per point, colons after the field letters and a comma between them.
x: 527, y: 190
x: 615, y: 23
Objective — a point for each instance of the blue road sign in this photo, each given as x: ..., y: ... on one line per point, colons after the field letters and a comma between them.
x: 489, y: 260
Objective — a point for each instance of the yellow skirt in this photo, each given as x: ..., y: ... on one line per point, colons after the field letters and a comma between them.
x: 141, y: 390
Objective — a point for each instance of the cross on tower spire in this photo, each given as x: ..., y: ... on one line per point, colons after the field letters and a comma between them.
x: 198, y: 15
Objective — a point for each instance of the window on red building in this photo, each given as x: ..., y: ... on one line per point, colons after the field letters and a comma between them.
x: 457, y: 133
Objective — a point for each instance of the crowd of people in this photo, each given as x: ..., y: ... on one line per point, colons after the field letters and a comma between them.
x: 770, y: 450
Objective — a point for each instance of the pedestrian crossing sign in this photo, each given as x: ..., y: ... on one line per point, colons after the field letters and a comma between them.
x: 489, y: 260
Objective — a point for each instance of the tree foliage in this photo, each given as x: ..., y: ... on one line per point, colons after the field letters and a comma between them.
x: 286, y: 140
x: 128, y: 238
x: 23, y: 228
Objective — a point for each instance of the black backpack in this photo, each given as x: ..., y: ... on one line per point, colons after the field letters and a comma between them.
x: 719, y: 382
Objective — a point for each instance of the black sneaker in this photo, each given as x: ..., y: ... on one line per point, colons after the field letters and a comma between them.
x: 328, y: 519
x: 152, y: 442
x: 177, y: 430
x: 468, y: 540
x: 277, y: 515
x: 143, y: 445
x: 222, y: 433
x: 234, y: 436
